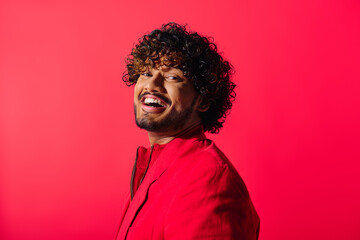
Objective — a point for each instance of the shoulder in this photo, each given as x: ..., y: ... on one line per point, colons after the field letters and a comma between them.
x: 204, y: 151
x: 210, y: 190
x: 209, y: 152
x: 207, y: 167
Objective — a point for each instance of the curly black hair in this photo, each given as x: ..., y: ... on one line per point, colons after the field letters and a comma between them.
x: 197, y: 56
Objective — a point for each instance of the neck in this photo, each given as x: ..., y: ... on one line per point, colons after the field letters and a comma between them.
x: 166, y: 137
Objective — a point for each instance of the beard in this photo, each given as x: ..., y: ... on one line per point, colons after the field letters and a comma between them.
x: 173, y: 121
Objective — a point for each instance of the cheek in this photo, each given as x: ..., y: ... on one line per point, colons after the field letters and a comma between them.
x: 182, y: 98
x: 137, y: 90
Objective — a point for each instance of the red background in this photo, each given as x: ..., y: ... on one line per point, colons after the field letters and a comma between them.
x: 68, y: 138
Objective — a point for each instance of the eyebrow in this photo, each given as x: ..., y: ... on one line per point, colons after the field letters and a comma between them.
x: 165, y: 68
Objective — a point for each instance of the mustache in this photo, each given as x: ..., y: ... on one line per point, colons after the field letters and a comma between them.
x: 159, y: 95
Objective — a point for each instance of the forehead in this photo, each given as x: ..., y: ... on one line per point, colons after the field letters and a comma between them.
x: 165, y: 69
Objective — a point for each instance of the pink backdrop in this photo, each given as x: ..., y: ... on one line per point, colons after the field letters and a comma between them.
x: 68, y: 138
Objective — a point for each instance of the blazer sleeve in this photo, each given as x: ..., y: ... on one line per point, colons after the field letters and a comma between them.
x: 212, y: 203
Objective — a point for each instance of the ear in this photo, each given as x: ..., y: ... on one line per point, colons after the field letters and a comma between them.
x: 204, y: 104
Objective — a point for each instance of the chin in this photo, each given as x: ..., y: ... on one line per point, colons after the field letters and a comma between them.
x: 171, y: 121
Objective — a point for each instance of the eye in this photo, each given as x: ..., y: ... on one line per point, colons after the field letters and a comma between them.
x: 174, y: 78
x: 146, y: 74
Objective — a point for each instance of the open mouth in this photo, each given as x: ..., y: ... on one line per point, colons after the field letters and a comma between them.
x: 153, y: 103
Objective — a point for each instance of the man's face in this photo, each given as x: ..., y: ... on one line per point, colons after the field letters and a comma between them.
x: 165, y: 101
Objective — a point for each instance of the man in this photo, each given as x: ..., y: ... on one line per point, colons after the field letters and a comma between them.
x: 183, y: 186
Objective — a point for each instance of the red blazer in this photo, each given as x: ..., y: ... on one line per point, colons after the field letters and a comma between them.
x: 191, y: 191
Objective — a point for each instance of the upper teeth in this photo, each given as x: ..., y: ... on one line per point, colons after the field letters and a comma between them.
x: 153, y: 100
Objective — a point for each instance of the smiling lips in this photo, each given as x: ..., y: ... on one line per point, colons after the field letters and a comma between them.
x: 152, y: 103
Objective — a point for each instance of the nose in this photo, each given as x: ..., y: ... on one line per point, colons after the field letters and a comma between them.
x: 155, y: 83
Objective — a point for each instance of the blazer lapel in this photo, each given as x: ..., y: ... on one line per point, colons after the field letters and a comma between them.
x: 168, y: 156
x: 140, y: 197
